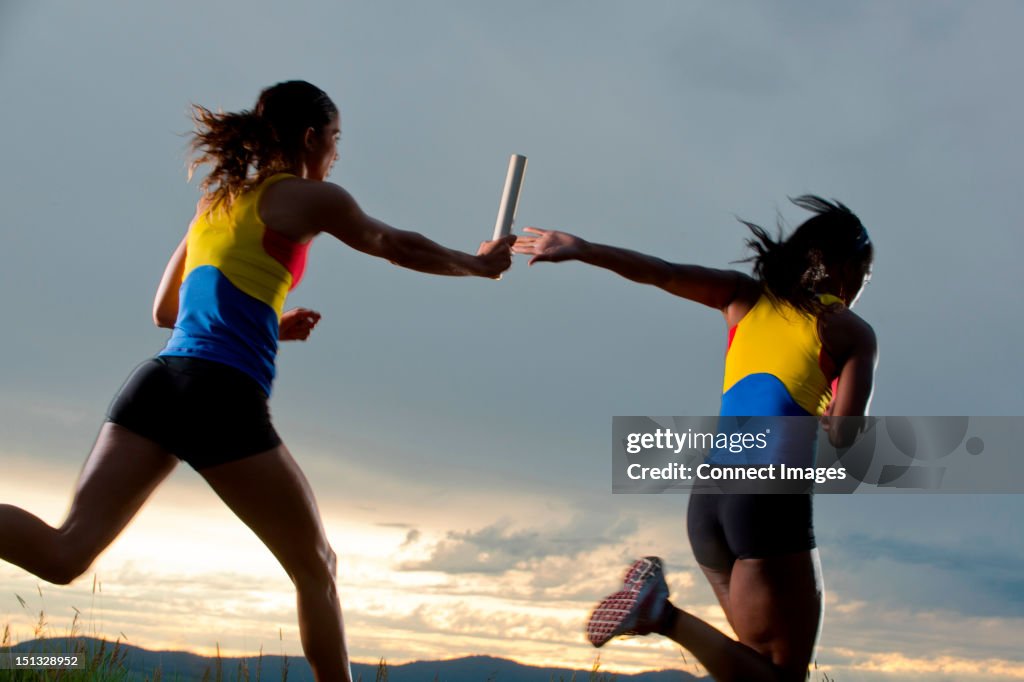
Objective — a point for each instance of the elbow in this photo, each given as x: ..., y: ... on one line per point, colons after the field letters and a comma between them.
x: 163, y: 319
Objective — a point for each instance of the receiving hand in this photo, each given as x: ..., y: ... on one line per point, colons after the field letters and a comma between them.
x: 549, y: 245
x: 297, y: 324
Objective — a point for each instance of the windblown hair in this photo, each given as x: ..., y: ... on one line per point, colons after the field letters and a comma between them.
x: 792, y: 268
x: 248, y: 146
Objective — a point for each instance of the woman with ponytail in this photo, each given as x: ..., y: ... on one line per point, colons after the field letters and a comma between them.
x: 794, y: 349
x: 203, y: 399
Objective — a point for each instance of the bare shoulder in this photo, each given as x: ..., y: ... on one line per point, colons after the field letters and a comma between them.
x: 845, y: 321
x: 301, y: 189
x: 301, y: 208
x: 844, y: 332
x: 747, y: 292
x: 748, y: 289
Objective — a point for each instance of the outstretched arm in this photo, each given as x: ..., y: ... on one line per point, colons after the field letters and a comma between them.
x: 414, y: 251
x: 714, y: 288
x: 326, y: 207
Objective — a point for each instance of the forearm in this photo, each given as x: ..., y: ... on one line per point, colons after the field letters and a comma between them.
x: 707, y: 286
x: 414, y: 251
x: 711, y: 287
x: 845, y: 418
x: 632, y: 265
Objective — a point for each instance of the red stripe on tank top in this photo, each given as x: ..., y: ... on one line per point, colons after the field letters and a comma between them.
x: 291, y: 255
x: 827, y: 365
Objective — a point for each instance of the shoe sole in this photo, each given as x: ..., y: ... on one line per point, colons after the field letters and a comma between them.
x: 617, y: 613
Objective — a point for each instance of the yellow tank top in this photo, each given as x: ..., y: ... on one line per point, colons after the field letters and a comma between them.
x: 773, y: 363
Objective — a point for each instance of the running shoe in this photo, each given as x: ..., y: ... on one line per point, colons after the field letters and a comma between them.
x: 636, y: 609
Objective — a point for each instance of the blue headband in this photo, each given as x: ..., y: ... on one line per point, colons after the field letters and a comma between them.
x: 863, y: 241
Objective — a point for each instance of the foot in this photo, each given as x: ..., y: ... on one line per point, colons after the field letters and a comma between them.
x: 636, y: 609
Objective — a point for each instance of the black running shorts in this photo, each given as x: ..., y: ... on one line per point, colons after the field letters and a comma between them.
x: 725, y: 527
x: 204, y: 412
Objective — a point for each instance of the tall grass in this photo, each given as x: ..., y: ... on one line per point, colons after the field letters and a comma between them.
x: 102, y: 663
x: 106, y: 661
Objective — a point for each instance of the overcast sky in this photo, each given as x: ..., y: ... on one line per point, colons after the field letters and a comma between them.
x: 456, y: 431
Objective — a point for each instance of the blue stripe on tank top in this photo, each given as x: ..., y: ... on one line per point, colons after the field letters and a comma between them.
x: 219, y: 322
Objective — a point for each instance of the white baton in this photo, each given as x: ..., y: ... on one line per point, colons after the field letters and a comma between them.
x: 510, y: 196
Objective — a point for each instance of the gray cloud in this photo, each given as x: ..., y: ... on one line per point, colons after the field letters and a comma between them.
x: 411, y: 538
x: 393, y: 524
x: 971, y: 580
x: 501, y: 547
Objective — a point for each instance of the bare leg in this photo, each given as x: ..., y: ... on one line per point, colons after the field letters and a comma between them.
x: 720, y: 582
x: 119, y: 475
x: 775, y: 607
x: 270, y: 494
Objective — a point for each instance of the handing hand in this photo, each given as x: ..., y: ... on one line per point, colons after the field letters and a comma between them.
x: 496, y: 256
x: 297, y: 324
x: 549, y: 245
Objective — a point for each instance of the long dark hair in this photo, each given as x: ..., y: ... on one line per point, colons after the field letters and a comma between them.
x: 248, y: 146
x: 792, y: 268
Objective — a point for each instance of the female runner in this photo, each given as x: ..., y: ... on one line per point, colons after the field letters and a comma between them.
x: 203, y: 399
x: 795, y: 349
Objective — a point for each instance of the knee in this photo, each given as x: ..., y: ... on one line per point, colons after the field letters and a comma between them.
x: 67, y: 566
x: 60, y: 576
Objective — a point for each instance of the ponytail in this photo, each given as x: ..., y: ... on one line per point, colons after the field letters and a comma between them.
x: 246, y: 147
x: 791, y: 269
x: 233, y: 143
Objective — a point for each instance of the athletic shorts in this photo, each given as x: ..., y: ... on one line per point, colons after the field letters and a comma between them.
x: 204, y: 412
x: 726, y: 527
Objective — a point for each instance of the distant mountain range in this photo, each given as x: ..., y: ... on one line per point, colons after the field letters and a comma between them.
x: 177, y: 666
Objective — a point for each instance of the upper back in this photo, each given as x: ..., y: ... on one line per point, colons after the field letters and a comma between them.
x: 774, y: 362
x: 234, y: 239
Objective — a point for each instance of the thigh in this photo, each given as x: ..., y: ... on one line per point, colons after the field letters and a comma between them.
x: 272, y: 496
x: 721, y: 582
x: 771, y: 590
x: 776, y: 604
x: 119, y: 475
x: 709, y: 544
